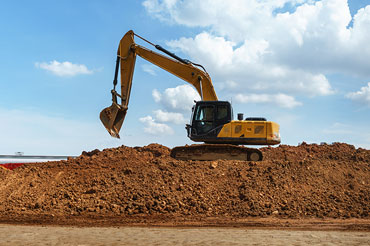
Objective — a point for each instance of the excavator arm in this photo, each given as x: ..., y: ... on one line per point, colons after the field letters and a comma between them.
x: 113, y: 116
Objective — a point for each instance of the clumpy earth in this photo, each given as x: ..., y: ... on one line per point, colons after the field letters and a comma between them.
x: 145, y: 186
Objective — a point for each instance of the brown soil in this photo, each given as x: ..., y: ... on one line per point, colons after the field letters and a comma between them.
x: 144, y: 185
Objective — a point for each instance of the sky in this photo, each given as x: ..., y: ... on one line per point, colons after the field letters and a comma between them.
x: 301, y: 63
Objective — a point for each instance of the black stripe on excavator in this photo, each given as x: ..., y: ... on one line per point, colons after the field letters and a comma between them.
x: 246, y: 141
x: 185, y: 61
x: 116, y: 73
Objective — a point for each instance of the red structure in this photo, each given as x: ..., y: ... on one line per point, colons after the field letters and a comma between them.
x: 11, y: 166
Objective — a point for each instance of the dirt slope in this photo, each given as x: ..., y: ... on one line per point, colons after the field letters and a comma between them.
x: 143, y: 183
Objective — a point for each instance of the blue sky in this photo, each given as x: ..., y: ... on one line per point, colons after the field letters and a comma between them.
x: 303, y: 64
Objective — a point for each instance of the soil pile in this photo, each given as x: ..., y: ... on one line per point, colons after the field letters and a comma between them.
x: 305, y: 181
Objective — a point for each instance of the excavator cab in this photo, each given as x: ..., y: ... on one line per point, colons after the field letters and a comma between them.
x: 208, y: 118
x: 212, y: 122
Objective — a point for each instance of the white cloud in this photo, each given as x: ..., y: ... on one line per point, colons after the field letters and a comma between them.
x: 163, y: 116
x: 152, y: 127
x: 246, y: 66
x: 262, y: 49
x: 149, y: 68
x: 175, y: 102
x: 63, y: 69
x: 156, y: 95
x: 216, y: 49
x: 216, y: 14
x: 178, y: 99
x: 362, y: 96
x: 282, y: 100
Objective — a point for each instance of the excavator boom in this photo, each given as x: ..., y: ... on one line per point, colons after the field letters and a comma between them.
x: 113, y: 116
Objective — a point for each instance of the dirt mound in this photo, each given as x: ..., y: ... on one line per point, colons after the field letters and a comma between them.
x: 305, y: 181
x: 335, y: 151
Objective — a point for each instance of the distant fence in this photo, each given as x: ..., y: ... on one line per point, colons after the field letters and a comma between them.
x: 31, y: 158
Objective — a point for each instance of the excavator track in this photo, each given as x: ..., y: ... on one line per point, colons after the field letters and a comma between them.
x: 209, y: 152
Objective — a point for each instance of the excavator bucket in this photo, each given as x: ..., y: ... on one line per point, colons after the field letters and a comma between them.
x: 112, y: 118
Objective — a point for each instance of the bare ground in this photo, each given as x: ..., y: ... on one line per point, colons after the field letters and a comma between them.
x: 307, y: 186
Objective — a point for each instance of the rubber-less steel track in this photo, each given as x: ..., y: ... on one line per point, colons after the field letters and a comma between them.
x: 207, y: 152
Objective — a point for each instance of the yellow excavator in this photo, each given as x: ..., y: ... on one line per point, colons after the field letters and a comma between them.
x: 211, y: 121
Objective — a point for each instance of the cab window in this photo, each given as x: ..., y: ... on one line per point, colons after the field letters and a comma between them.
x: 222, y: 111
x: 205, y: 113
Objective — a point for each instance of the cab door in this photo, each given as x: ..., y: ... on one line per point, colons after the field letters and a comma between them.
x: 222, y: 115
x: 204, y: 119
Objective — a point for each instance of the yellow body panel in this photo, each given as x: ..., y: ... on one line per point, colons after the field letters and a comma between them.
x: 252, y: 132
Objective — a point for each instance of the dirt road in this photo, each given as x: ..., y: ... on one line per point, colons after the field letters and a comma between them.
x: 52, y: 235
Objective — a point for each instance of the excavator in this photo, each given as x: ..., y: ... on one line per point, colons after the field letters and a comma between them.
x: 211, y: 120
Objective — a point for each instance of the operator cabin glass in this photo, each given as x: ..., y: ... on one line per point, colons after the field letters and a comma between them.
x: 204, y: 119
x: 222, y: 112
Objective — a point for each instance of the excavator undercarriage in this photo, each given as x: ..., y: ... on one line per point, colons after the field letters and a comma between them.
x: 210, y: 152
